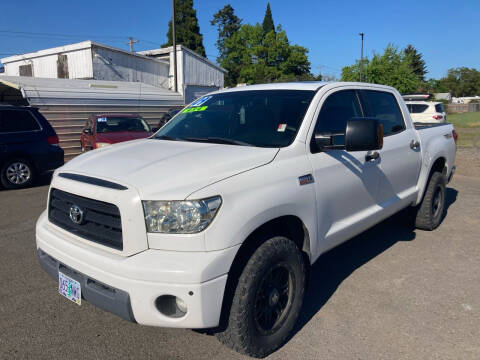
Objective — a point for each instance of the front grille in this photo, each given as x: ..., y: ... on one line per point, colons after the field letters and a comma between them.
x: 100, y: 222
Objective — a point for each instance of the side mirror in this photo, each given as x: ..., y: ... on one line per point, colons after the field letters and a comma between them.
x: 154, y: 130
x: 87, y: 131
x: 363, y: 134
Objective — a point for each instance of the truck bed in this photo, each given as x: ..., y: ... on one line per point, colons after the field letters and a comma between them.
x: 422, y: 126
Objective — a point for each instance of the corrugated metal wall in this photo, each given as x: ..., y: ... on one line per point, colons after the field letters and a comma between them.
x: 118, y: 66
x: 68, y: 121
x: 198, y: 72
x: 79, y: 65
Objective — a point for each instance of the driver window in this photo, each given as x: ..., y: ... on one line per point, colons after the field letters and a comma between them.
x: 339, y: 107
x: 337, y: 110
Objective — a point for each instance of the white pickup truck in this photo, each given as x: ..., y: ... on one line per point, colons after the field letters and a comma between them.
x: 214, y: 221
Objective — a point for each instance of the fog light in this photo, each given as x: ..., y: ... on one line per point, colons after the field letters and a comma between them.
x: 171, y: 306
x: 181, y: 305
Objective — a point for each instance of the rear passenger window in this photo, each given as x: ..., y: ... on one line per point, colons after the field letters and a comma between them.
x: 17, y: 121
x: 384, y: 107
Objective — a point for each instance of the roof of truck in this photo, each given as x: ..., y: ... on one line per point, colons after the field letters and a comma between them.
x: 299, y: 85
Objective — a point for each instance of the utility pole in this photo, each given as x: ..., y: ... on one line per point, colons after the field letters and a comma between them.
x: 361, y: 57
x: 174, y: 42
x: 131, y: 42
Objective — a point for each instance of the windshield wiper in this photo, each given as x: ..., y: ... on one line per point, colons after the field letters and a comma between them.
x: 166, y: 137
x: 217, y: 140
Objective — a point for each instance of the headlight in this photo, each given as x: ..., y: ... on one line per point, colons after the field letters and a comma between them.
x: 182, y: 217
x: 99, y: 145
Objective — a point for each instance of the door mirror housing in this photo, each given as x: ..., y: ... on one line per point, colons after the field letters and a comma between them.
x: 87, y: 131
x: 361, y: 134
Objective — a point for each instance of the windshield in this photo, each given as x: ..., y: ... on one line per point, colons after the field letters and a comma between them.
x: 264, y: 118
x: 116, y: 124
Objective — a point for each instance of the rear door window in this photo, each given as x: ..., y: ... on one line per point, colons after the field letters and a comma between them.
x: 17, y: 121
x: 384, y: 107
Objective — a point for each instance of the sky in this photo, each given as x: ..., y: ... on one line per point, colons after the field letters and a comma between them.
x: 445, y: 32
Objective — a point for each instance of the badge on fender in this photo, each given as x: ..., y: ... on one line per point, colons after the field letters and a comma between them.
x: 306, y: 179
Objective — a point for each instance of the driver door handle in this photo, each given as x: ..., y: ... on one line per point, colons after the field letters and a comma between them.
x: 372, y: 156
x: 414, y: 145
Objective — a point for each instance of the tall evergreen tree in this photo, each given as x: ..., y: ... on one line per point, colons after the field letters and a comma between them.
x: 417, y: 63
x: 227, y: 24
x: 268, y: 24
x: 186, y: 27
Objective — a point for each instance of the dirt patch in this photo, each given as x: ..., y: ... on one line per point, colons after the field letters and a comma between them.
x: 468, y: 161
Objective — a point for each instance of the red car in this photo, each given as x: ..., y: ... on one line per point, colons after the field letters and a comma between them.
x: 106, y: 129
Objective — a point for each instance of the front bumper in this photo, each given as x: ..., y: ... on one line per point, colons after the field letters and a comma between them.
x: 198, y: 278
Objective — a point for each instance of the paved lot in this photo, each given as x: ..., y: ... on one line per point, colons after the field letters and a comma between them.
x: 391, y: 293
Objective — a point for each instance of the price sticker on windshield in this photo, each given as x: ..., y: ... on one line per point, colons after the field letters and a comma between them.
x: 102, y: 119
x: 281, y: 127
x: 195, y: 109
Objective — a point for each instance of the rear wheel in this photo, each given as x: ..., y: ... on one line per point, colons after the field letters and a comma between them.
x: 267, y: 300
x: 17, y: 173
x: 430, y: 212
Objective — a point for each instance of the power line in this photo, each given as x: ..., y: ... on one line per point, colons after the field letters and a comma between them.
x: 58, y: 36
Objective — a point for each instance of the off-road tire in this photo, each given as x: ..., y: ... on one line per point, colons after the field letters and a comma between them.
x: 242, y: 332
x: 7, y: 183
x: 428, y: 216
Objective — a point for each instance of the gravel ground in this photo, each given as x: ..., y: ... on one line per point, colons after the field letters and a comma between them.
x: 391, y: 293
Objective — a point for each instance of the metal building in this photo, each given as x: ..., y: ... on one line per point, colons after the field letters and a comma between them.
x: 89, y: 60
x: 196, y: 75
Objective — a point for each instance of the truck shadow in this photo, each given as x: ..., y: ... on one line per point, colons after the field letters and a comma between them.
x: 336, y: 265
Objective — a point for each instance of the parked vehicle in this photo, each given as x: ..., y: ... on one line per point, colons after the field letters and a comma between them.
x: 106, y: 129
x: 215, y: 220
x: 28, y: 146
x: 167, y: 117
x: 426, y: 111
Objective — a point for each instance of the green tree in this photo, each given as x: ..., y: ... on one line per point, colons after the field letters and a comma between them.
x: 186, y: 27
x: 227, y: 25
x: 257, y: 57
x: 417, y: 64
x: 268, y: 24
x: 392, y: 68
x: 462, y: 81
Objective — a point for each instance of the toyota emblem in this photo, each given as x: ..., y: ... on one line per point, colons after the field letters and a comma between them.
x: 76, y: 214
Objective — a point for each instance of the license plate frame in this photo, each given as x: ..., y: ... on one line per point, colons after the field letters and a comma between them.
x: 69, y: 288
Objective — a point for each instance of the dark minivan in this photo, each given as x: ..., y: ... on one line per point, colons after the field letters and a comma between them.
x: 28, y: 146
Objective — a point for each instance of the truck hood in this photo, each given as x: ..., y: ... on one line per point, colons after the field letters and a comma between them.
x: 168, y: 170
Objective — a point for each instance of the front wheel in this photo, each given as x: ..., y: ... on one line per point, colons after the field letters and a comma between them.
x: 17, y: 174
x: 267, y: 300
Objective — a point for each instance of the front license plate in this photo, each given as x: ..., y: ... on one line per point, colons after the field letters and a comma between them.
x: 69, y: 288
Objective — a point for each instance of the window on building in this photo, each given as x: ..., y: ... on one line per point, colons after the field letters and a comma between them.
x: 26, y: 70
x: 62, y: 66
